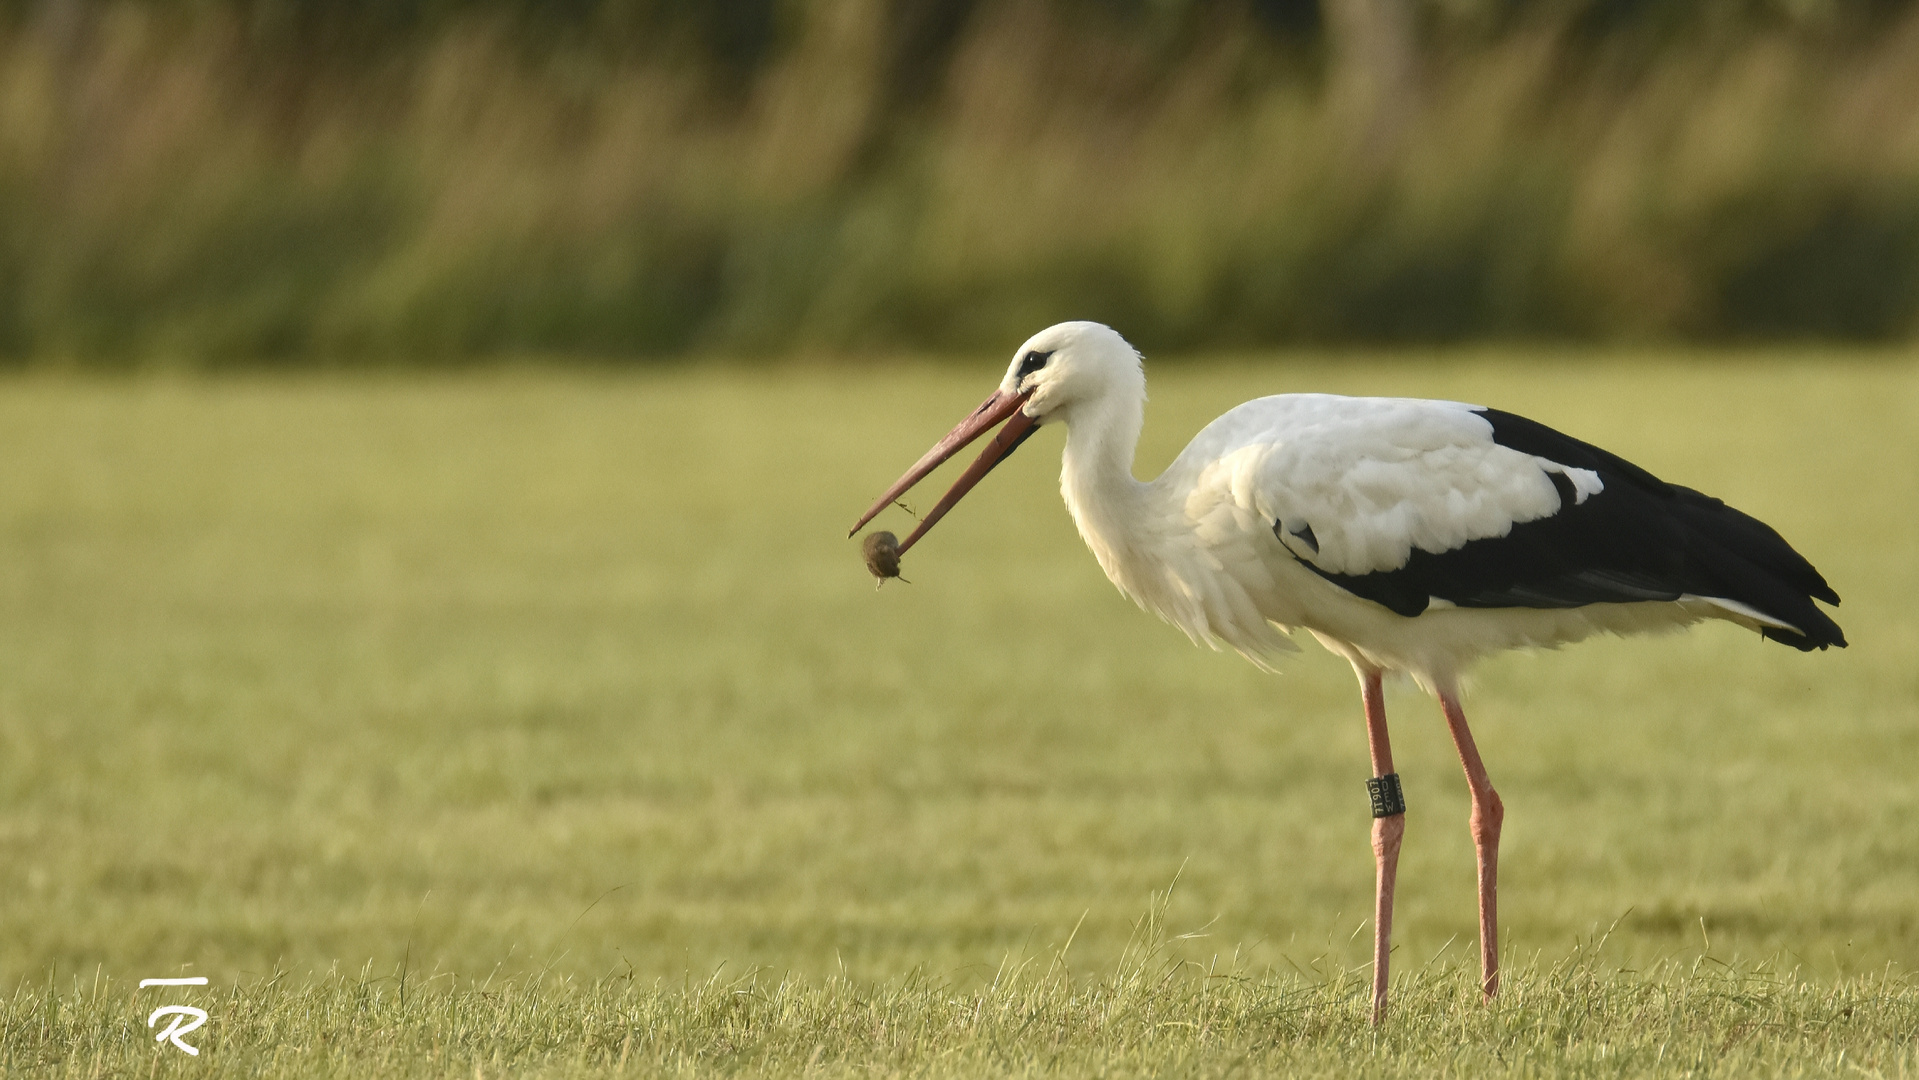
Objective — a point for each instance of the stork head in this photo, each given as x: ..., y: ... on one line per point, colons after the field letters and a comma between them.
x: 1059, y: 372
x: 1067, y: 367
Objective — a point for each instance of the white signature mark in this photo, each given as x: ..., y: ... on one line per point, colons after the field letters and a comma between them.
x: 186, y: 1018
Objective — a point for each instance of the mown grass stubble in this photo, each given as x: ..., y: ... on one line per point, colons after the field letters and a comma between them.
x: 568, y: 677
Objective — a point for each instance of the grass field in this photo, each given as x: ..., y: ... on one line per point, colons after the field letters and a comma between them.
x: 546, y: 723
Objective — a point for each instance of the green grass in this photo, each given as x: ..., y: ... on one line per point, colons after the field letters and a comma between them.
x: 562, y: 693
x: 1148, y: 1017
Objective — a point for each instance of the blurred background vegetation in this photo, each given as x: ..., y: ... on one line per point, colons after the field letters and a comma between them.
x: 224, y: 182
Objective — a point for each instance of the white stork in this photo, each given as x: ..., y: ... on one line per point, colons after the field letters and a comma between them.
x: 1405, y: 535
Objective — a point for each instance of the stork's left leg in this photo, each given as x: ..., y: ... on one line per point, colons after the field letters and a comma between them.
x: 1389, y: 826
x: 1488, y: 815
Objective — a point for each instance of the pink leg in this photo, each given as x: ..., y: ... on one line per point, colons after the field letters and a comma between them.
x: 1387, y: 832
x: 1488, y: 814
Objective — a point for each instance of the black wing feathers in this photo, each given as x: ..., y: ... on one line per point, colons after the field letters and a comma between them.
x: 1639, y: 539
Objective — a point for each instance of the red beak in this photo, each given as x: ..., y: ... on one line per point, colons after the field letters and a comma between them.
x: 996, y: 408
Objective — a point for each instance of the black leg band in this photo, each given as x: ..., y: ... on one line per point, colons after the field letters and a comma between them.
x: 1387, y: 798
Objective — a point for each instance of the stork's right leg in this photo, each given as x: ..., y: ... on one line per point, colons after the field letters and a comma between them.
x: 1488, y: 815
x: 1389, y: 825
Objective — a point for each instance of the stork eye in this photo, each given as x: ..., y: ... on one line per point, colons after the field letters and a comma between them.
x: 1033, y: 361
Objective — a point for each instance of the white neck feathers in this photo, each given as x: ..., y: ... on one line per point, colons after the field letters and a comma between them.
x: 1110, y: 507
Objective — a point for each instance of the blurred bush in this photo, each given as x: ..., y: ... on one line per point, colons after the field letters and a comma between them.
x: 247, y: 181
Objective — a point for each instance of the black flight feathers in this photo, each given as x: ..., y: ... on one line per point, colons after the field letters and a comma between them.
x: 1639, y: 539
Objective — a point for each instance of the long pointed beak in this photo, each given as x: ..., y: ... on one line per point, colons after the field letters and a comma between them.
x: 994, y: 409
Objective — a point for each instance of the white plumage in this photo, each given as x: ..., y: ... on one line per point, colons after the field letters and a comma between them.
x: 1405, y: 535
x: 1374, y: 478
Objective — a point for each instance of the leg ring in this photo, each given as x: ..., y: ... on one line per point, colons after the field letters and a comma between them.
x: 1387, y: 797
